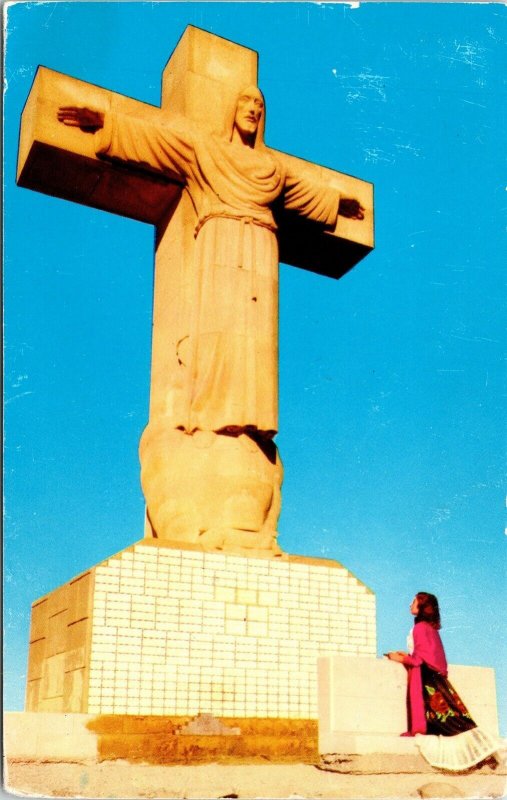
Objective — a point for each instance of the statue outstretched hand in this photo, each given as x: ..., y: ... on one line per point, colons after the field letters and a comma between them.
x: 81, y: 117
x: 350, y: 208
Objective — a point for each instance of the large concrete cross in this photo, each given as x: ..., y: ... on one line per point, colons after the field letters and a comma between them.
x: 204, y: 489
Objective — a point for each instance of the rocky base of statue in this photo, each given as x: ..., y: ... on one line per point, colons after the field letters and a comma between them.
x: 215, y: 490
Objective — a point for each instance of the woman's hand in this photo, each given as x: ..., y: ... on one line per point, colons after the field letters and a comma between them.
x: 81, y: 117
x: 396, y: 655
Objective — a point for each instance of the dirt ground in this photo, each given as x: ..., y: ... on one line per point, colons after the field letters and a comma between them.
x: 120, y: 779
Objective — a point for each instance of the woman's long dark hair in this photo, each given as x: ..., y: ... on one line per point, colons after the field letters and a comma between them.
x: 428, y: 610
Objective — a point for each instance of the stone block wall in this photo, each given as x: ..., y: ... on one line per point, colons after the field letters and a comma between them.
x: 59, y: 648
x: 363, y: 708
x: 185, y: 631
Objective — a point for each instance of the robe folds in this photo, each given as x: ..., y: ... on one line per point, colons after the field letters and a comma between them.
x: 232, y: 352
x: 428, y: 649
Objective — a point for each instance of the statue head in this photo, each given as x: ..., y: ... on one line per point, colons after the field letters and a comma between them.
x: 249, y: 116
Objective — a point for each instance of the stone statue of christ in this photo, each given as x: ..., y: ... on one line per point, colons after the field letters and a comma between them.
x: 233, y: 180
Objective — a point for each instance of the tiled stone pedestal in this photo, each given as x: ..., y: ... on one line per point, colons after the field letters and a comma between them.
x: 158, y: 630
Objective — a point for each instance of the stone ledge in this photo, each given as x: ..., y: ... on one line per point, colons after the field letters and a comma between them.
x: 154, y: 740
x: 387, y: 761
x: 362, y: 704
x: 47, y: 736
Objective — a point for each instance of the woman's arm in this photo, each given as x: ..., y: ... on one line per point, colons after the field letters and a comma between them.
x: 396, y: 655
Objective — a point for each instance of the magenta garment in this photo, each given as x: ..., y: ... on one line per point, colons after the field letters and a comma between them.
x: 428, y: 649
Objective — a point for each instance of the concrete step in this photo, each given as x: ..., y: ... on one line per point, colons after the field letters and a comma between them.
x: 42, y: 736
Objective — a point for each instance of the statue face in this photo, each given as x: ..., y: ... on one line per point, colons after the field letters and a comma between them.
x: 248, y: 111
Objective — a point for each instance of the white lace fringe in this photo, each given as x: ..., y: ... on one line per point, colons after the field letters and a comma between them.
x: 463, y: 751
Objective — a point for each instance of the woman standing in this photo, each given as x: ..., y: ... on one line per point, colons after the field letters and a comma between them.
x: 454, y: 740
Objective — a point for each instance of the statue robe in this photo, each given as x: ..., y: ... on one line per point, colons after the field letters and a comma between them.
x: 232, y: 353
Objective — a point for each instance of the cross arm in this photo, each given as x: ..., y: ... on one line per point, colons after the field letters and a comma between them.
x: 304, y: 243
x: 60, y: 160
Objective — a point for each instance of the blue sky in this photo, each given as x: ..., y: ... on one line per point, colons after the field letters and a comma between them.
x: 392, y: 380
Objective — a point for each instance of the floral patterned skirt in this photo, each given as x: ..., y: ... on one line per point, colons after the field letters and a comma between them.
x: 446, y: 714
